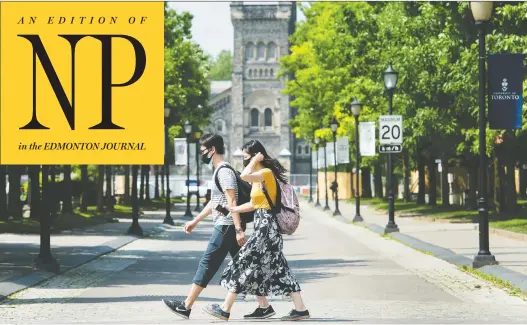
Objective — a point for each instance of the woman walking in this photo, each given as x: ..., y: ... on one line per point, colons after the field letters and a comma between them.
x: 260, y: 267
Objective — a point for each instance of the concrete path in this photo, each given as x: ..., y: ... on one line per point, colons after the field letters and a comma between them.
x: 461, y: 238
x: 347, y: 273
x: 71, y: 248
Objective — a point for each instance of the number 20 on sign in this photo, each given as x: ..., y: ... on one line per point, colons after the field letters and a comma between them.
x: 391, y: 129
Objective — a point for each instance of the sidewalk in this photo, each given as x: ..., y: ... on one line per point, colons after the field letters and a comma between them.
x: 71, y: 248
x: 347, y: 274
x: 461, y: 239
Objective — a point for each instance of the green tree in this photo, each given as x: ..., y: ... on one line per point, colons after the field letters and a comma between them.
x: 186, y: 72
x: 221, y: 66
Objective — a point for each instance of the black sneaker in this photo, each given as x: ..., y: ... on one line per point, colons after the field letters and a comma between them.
x: 296, y: 315
x: 216, y: 311
x: 261, y: 313
x: 178, y: 307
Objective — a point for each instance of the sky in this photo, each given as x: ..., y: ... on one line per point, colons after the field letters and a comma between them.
x: 211, y: 26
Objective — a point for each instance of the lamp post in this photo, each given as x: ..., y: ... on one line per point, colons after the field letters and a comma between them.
x: 326, y: 176
x: 317, y: 141
x: 334, y: 125
x: 135, y: 228
x: 168, y: 218
x: 390, y: 77
x: 356, y: 108
x: 482, y: 12
x: 45, y: 260
x: 188, y: 131
x: 198, y: 135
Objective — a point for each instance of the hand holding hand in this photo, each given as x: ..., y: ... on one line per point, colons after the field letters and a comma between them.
x: 240, y: 238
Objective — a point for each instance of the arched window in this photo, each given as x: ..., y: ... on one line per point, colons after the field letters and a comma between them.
x: 249, y: 51
x: 306, y: 150
x: 250, y: 73
x: 299, y: 149
x: 255, y: 117
x: 268, y: 117
x: 271, y: 51
x: 266, y: 72
x: 261, y: 51
x: 261, y: 72
x: 219, y: 126
x: 272, y: 73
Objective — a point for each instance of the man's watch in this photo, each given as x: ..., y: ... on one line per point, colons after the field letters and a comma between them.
x: 239, y: 230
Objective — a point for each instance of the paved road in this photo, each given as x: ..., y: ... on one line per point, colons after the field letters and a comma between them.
x: 348, y: 274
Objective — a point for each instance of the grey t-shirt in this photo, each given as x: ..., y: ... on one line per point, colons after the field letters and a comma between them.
x: 227, y: 180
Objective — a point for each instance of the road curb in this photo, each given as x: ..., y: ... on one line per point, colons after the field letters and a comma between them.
x: 14, y: 285
x: 517, y: 279
x: 506, y: 233
x: 495, y: 231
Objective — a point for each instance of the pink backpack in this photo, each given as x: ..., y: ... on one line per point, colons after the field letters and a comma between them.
x: 288, y: 210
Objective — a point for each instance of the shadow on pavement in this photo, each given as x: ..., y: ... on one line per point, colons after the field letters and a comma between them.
x: 92, y: 300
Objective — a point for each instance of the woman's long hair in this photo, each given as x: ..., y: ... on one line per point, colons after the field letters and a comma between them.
x: 253, y: 147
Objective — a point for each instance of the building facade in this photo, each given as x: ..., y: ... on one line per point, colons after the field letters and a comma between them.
x: 252, y: 105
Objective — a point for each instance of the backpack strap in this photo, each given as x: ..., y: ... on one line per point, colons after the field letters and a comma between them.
x: 216, y: 179
x: 278, y: 195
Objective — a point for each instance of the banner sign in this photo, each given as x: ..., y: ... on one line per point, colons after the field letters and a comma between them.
x: 321, y: 158
x: 505, y: 91
x: 367, y: 138
x: 331, y: 153
x: 343, y: 150
x: 180, y: 150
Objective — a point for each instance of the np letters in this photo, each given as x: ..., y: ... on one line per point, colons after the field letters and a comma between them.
x: 68, y: 107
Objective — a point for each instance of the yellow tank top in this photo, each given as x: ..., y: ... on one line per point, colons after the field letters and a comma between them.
x: 257, y: 195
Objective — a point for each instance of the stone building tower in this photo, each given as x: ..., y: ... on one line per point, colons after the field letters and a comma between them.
x: 252, y: 105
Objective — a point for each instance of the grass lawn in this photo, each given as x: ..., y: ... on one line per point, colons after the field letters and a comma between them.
x: 62, y: 222
x: 80, y: 219
x: 59, y: 223
x: 515, y: 223
x: 159, y: 204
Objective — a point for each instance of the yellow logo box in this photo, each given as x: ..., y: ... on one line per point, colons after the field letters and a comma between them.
x: 81, y: 82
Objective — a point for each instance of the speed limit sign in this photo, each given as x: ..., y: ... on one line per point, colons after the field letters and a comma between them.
x: 391, y: 129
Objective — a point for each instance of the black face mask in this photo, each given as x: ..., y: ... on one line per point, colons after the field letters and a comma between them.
x: 247, y: 161
x: 205, y: 159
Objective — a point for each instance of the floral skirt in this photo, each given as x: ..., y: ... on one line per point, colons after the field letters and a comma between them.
x: 260, y: 267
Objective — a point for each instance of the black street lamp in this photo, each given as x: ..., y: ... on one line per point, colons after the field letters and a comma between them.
x: 188, y: 131
x: 317, y: 141
x: 390, y: 82
x: 45, y: 260
x: 168, y: 218
x: 326, y: 176
x: 135, y: 228
x: 482, y: 12
x: 334, y: 125
x: 356, y: 108
x: 198, y: 135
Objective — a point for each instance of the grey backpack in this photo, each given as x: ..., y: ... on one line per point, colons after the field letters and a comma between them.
x: 287, y: 211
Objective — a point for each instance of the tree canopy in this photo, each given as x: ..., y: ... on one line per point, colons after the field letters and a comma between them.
x: 342, y: 48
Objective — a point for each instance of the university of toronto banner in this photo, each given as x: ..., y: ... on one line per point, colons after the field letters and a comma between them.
x: 505, y: 96
x: 81, y: 83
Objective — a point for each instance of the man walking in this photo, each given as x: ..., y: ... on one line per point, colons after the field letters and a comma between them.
x: 227, y: 236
